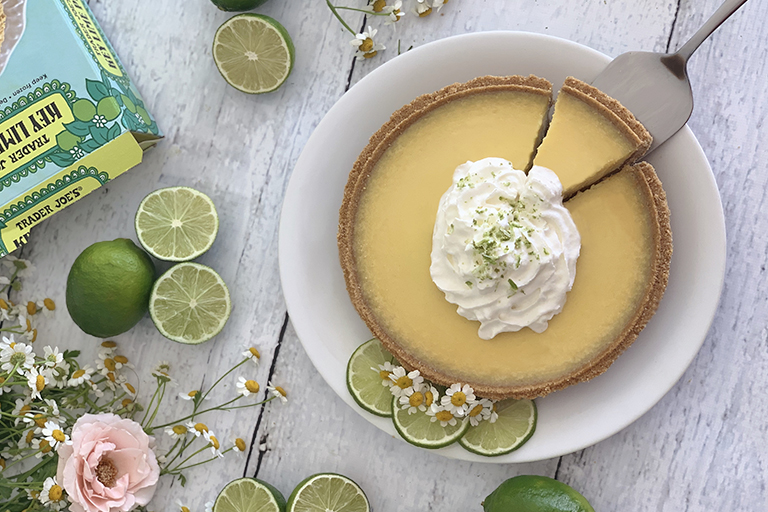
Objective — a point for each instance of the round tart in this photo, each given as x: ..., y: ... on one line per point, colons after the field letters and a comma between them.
x: 389, y: 209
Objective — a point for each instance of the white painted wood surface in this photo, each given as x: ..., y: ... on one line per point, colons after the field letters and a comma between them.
x: 702, y: 448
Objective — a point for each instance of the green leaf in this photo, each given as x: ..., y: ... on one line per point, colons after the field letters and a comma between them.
x: 79, y: 128
x: 96, y: 90
x: 114, y: 131
x: 90, y: 145
x: 182, y: 480
x: 62, y: 159
x: 71, y: 354
x: 129, y: 104
x: 100, y: 134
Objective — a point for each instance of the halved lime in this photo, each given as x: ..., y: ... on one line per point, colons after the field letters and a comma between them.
x: 253, y: 52
x: 364, y: 383
x: 249, y: 495
x: 328, y: 492
x: 513, y: 428
x: 176, y: 223
x: 190, y: 303
x: 419, y: 429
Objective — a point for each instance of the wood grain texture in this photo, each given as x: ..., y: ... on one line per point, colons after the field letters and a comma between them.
x: 701, y: 448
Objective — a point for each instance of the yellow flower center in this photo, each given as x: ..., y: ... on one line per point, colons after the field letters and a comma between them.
x: 444, y: 416
x: 39, y: 420
x: 2, y: 381
x: 29, y: 325
x: 24, y: 409
x: 384, y: 374
x: 458, y: 399
x: 240, y: 444
x: 130, y: 388
x: 40, y: 382
x: 192, y: 394
x: 126, y: 402
x: 111, y: 377
x: 45, y: 446
x: 425, y: 13
x: 201, y: 427
x: 59, y: 436
x: 184, y: 509
x: 121, y: 359
x: 179, y: 430
x: 108, y: 344
x: 214, y: 442
x: 34, y: 335
x: 495, y: 409
x: 78, y: 374
x: 110, y: 365
x: 30, y: 436
x: 255, y: 353
x: 4, y: 305
x: 428, y: 398
x: 49, y: 304
x: 18, y: 358
x: 252, y: 386
x: 476, y: 410
x: 404, y: 382
x: 54, y: 493
x: 280, y: 390
x: 2, y: 463
x: 379, y: 5
x: 31, y: 308
x: 416, y: 399
x: 367, y: 45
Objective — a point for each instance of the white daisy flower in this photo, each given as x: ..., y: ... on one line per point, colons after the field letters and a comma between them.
x: 413, y: 399
x: 52, y: 495
x: 96, y: 390
x: 366, y: 46
x: 55, y: 436
x: 253, y: 354
x: 197, y: 429
x: 384, y: 371
x: 247, y: 387
x: 441, y: 414
x: 214, y: 444
x: 458, y: 399
x: 48, y: 307
x: 189, y: 396
x: 277, y: 392
x: 52, y: 408
x: 182, y: 507
x: 58, y: 375
x: 36, y: 382
x: 25, y: 267
x: 43, y: 448
x: 80, y: 376
x: 26, y: 440
x: 395, y: 12
x: 480, y: 411
x: 176, y: 431
x: 16, y: 355
x: 438, y: 4
x: 422, y: 8
x: 208, y: 506
x: 7, y: 311
x: 21, y: 408
x: 402, y: 381
x: 239, y: 446
x: 52, y: 356
x: 162, y: 372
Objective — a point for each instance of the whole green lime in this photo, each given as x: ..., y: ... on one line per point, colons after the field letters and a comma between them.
x: 108, y: 287
x: 84, y: 110
x: 237, y: 5
x: 109, y: 108
x: 67, y: 140
x: 531, y: 493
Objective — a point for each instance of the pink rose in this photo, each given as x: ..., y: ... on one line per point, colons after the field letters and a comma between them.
x: 110, y: 465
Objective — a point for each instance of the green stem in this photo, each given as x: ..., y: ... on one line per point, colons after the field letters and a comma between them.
x: 149, y: 406
x: 187, y: 459
x: 190, y: 416
x: 338, y: 17
x: 370, y: 13
x: 157, y: 407
x: 238, y: 365
x: 178, y: 469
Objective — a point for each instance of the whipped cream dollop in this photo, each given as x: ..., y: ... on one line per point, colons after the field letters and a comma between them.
x: 504, y: 247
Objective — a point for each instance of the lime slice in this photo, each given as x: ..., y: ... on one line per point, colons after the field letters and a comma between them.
x: 177, y: 223
x: 253, y: 52
x: 190, y: 303
x: 328, y: 492
x: 419, y: 429
x: 364, y: 383
x: 513, y: 428
x: 249, y: 495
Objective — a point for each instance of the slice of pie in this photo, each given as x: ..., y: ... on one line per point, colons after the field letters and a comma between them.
x: 388, y: 215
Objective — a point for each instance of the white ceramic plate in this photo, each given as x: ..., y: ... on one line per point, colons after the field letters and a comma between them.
x: 15, y: 22
x: 329, y: 326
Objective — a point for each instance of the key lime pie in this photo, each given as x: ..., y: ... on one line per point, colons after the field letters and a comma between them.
x: 479, y: 253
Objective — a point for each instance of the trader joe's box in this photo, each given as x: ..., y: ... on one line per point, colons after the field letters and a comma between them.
x: 70, y: 118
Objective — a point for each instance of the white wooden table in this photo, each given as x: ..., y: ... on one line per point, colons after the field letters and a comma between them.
x: 702, y: 448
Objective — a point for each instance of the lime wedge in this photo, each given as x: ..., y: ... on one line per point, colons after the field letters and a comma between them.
x: 419, y: 429
x: 328, y: 492
x: 177, y: 223
x: 513, y: 428
x: 253, y: 52
x: 365, y: 383
x: 190, y: 303
x: 249, y: 495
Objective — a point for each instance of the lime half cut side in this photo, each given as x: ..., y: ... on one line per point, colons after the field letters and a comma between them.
x: 249, y: 495
x: 190, y: 303
x: 176, y: 223
x: 328, y: 492
x: 513, y: 428
x: 254, y: 53
x: 364, y: 381
x: 419, y: 429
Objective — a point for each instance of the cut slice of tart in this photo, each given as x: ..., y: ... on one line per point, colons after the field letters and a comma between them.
x: 591, y: 135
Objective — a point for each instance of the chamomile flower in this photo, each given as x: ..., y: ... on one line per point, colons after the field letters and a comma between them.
x: 36, y: 382
x: 80, y: 376
x: 214, y: 444
x: 16, y: 355
x: 52, y: 356
x: 366, y: 46
x: 441, y: 414
x: 438, y: 4
x: 57, y: 375
x: 402, y: 381
x: 21, y: 408
x: 106, y: 363
x: 239, y: 446
x: 384, y: 371
x: 413, y: 400
x: 422, y: 8
x: 458, y: 399
x: 7, y: 312
x: 162, y: 372
x: 51, y: 408
x: 52, y: 495
x: 247, y: 387
x: 24, y: 268
x: 395, y: 12
x: 43, y: 448
x: 55, y: 436
x: 176, y: 431
x: 253, y: 354
x: 277, y: 392
x: 208, y: 506
x: 189, y: 396
x: 26, y: 440
x: 182, y: 507
x: 197, y: 429
x: 128, y: 388
x: 480, y: 411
